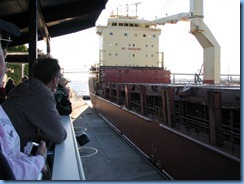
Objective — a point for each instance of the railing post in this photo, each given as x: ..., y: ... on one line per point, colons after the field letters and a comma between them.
x: 127, y: 95
x: 215, y: 120
x: 118, y: 95
x: 143, y: 98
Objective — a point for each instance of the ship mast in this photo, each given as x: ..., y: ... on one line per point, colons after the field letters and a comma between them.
x: 136, y: 7
x: 127, y: 9
x: 211, y: 48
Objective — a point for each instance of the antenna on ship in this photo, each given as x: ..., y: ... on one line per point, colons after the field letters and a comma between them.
x: 136, y: 6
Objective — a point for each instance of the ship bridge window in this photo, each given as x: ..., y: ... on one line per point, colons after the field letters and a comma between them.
x: 121, y: 24
x: 136, y: 25
x: 114, y: 24
x: 131, y: 25
x: 147, y: 26
x: 126, y: 24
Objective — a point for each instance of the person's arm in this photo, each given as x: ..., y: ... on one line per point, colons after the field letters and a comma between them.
x: 27, y: 167
x: 47, y: 119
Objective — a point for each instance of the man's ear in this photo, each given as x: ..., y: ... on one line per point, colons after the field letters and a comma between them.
x: 51, y: 85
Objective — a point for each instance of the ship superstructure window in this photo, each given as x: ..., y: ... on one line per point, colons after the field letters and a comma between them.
x: 154, y: 36
x: 124, y: 24
x: 146, y: 45
x: 144, y: 35
x: 110, y: 33
x: 125, y: 34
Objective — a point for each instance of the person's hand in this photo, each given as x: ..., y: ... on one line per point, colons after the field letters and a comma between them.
x: 42, y: 149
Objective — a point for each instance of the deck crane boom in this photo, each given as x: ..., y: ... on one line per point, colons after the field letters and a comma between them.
x: 211, y: 48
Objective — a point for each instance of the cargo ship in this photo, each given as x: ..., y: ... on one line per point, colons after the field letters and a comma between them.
x: 187, y: 131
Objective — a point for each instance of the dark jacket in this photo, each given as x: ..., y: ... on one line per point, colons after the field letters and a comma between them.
x: 32, y: 109
x: 64, y: 105
x: 9, y: 86
x: 3, y: 95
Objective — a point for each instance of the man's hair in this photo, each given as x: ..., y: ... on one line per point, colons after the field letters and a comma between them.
x: 45, y: 69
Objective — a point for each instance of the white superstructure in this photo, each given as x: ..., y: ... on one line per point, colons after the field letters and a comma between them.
x: 127, y: 41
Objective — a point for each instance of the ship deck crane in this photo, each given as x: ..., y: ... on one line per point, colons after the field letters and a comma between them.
x: 211, y: 48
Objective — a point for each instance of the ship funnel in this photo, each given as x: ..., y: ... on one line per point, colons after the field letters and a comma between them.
x: 196, y: 8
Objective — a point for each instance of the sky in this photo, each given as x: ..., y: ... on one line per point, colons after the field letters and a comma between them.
x: 182, y: 52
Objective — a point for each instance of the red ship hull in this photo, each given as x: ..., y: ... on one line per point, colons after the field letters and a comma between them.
x: 174, y: 153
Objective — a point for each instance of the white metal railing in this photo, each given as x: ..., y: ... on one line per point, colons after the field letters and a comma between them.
x: 67, y: 164
x: 184, y: 78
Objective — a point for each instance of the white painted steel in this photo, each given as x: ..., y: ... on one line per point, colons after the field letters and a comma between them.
x: 67, y: 163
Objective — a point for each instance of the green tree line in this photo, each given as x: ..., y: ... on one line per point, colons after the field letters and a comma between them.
x: 14, y: 70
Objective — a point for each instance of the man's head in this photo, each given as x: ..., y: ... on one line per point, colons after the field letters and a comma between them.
x: 48, y: 71
x: 7, y: 29
x: 24, y: 78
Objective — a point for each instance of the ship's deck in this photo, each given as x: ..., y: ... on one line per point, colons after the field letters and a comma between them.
x: 108, y: 156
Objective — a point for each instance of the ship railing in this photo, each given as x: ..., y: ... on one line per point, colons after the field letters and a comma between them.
x: 229, y: 139
x: 195, y: 127
x: 185, y: 121
x: 154, y: 112
x: 189, y: 78
x: 136, y: 106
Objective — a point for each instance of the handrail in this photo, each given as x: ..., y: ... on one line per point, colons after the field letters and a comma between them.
x: 189, y: 78
x: 67, y: 164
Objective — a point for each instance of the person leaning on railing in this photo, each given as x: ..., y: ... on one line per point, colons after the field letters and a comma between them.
x: 32, y: 108
x: 22, y: 166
